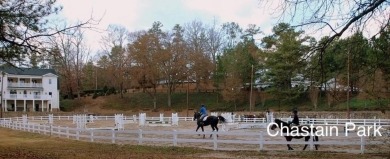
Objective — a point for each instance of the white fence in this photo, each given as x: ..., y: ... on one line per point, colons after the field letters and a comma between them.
x: 225, y: 141
x: 314, y: 121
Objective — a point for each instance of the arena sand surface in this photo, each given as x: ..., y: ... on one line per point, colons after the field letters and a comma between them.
x: 190, y: 126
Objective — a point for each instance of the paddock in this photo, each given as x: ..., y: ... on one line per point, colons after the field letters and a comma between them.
x: 103, y: 129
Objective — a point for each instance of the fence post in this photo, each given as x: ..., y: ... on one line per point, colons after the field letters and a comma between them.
x: 67, y: 132
x: 140, y: 136
x: 77, y: 134
x: 174, y: 138
x: 44, y: 129
x: 261, y: 141
x: 311, y: 141
x: 51, y: 129
x: 113, y: 136
x: 362, y: 143
x: 91, y: 134
x: 215, y: 140
x: 59, y: 131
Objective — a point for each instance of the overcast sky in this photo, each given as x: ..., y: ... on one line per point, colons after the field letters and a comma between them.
x: 140, y: 14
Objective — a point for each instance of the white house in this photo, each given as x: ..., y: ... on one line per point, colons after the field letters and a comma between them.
x: 29, y: 89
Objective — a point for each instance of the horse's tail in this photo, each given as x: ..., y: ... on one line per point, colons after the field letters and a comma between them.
x: 221, y: 118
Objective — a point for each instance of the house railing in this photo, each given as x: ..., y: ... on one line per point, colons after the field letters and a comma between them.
x: 27, y: 97
x: 19, y: 84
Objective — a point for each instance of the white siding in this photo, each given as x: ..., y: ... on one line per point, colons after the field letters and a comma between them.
x: 49, y: 84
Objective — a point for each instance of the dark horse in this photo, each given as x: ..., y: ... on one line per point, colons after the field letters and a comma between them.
x: 211, y: 120
x: 304, y: 131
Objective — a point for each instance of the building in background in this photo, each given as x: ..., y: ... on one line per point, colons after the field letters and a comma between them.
x: 29, y: 89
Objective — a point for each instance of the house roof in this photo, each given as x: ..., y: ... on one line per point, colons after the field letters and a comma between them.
x: 27, y: 71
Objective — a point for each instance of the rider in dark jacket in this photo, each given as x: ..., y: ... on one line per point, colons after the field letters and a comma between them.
x: 295, y: 121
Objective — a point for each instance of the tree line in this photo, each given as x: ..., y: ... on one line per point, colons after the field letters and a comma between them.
x: 226, y: 55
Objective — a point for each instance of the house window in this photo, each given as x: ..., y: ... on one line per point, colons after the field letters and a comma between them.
x: 50, y: 93
x: 49, y: 81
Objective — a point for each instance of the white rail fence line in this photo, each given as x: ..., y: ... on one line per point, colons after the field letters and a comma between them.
x: 139, y: 136
x: 314, y: 121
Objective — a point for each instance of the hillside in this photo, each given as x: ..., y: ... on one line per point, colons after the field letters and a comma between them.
x: 135, y: 102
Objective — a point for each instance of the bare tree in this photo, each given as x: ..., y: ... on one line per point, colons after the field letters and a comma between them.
x: 113, y: 45
x: 197, y: 56
x: 173, y: 60
x: 81, y: 51
x: 116, y: 35
x: 69, y: 54
x: 335, y: 15
x: 313, y: 95
x: 25, y: 29
x: 214, y: 41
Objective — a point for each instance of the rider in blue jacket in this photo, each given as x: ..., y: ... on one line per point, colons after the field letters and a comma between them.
x: 203, y: 112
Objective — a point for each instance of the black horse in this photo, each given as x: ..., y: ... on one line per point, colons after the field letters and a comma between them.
x: 211, y: 120
x: 301, y: 130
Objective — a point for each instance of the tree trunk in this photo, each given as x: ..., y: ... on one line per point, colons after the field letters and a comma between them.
x: 169, y: 94
x: 121, y: 89
x: 154, y: 102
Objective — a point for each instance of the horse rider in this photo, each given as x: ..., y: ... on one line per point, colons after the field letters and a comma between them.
x: 295, y: 121
x: 203, y: 113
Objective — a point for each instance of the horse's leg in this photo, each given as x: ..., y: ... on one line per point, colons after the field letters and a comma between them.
x: 306, y: 139
x: 316, y: 139
x: 212, y: 127
x: 197, y: 130
x: 204, y: 136
x: 216, y: 127
x: 289, y: 138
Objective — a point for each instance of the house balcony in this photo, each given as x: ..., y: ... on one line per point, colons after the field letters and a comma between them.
x: 26, y: 97
x: 24, y: 85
